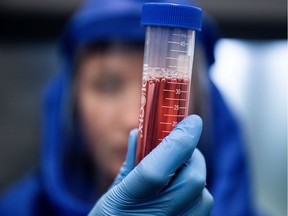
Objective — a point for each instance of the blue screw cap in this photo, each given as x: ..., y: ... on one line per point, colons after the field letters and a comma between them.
x: 171, y: 15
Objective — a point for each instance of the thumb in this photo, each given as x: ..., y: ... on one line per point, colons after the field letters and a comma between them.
x: 129, y: 163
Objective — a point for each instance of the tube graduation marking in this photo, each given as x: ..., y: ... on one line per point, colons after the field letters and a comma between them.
x: 180, y: 51
x: 177, y: 99
x: 171, y: 115
x: 165, y: 123
x: 173, y: 42
x: 168, y: 57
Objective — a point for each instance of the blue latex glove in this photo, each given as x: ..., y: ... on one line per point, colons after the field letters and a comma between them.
x: 169, y: 181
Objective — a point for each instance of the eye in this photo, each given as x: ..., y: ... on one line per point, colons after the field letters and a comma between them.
x: 110, y: 84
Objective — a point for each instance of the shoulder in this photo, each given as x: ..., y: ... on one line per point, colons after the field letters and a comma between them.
x: 23, y: 197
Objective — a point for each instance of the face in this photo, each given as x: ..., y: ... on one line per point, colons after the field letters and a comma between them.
x: 108, y: 99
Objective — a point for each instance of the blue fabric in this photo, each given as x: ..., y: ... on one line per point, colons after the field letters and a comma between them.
x: 25, y: 198
x: 229, y: 174
x: 46, y: 191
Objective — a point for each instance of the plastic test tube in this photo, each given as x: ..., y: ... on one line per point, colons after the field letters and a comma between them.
x: 167, y: 70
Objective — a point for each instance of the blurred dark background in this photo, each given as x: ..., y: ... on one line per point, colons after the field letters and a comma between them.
x: 29, y: 33
x: 43, y: 20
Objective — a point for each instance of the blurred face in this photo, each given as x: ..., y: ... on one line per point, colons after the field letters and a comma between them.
x: 108, y: 97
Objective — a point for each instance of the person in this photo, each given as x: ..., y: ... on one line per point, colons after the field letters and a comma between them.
x: 91, y: 106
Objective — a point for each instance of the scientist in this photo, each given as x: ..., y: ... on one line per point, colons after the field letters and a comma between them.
x: 91, y: 106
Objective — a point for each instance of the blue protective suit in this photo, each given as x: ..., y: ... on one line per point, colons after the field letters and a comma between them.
x: 62, y: 186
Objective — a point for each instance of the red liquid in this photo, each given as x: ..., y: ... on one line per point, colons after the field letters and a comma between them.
x: 164, y: 103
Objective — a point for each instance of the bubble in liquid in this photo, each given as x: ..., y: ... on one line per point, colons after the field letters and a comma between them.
x: 186, y: 80
x: 173, y: 79
x: 152, y: 80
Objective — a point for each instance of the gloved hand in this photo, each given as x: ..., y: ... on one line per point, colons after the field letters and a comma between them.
x: 168, y: 181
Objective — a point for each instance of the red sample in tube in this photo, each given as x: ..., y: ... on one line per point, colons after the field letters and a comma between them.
x: 164, y: 103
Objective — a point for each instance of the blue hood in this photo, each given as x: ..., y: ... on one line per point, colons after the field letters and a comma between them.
x: 102, y: 20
